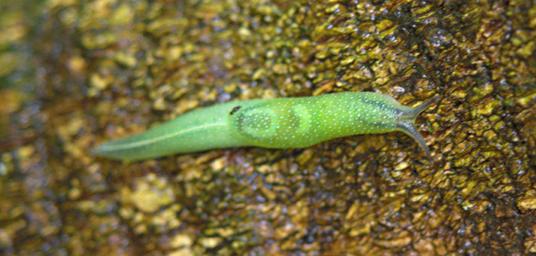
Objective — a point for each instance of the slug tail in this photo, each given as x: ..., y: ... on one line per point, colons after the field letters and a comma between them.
x: 103, y: 150
x: 406, y: 124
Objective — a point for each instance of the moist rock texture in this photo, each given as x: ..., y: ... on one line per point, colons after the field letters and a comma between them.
x: 75, y: 73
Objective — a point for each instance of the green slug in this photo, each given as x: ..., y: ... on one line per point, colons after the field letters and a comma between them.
x: 271, y: 123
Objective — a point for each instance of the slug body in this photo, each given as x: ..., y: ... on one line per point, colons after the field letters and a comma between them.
x: 270, y: 123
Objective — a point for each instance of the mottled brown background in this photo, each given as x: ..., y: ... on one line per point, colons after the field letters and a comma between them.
x: 75, y: 73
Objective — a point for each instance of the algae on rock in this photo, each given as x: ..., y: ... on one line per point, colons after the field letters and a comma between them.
x: 109, y: 68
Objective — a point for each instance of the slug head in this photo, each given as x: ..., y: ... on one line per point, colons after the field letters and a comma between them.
x: 406, y: 123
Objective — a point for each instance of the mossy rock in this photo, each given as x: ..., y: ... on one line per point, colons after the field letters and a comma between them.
x: 106, y: 68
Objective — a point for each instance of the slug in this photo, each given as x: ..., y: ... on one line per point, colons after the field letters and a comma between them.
x: 271, y: 123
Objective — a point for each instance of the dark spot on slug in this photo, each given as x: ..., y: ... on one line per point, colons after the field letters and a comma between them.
x: 236, y: 108
x: 376, y: 104
x: 381, y: 105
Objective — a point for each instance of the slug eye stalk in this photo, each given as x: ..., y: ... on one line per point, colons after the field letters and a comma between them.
x: 406, y: 124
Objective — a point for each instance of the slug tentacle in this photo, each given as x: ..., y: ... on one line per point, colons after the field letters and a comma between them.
x: 409, y: 129
x: 406, y: 123
x: 423, y: 106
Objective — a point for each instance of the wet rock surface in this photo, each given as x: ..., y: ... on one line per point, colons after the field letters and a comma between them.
x: 76, y: 73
